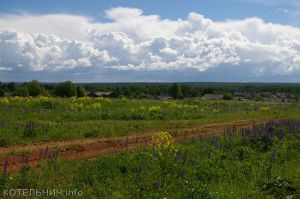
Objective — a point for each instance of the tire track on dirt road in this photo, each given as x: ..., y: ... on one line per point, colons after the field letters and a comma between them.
x: 90, y: 148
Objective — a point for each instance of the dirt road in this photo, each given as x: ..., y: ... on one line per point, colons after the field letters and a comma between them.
x: 14, y: 157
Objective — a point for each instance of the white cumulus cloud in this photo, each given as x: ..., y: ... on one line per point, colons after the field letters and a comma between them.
x: 132, y: 41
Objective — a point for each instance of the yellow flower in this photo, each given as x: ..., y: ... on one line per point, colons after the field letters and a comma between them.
x: 154, y: 108
x: 96, y: 106
x: 73, y: 99
x: 108, y: 100
x: 4, y: 101
x: 142, y: 108
x: 43, y: 99
x: 163, y: 140
x: 264, y: 108
x: 76, y: 106
x: 17, y: 98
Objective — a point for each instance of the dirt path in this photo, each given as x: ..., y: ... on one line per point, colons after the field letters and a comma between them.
x: 14, y: 157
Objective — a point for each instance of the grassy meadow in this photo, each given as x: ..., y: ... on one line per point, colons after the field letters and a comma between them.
x: 24, y: 120
x: 260, y: 162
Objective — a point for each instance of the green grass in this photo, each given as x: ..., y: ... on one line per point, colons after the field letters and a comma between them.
x: 235, y: 167
x: 29, y: 120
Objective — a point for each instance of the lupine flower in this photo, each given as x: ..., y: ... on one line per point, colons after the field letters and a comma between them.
x: 158, y: 183
x: 138, y: 174
x: 126, y: 143
x: 273, y: 155
x: 5, y: 167
x: 45, y: 153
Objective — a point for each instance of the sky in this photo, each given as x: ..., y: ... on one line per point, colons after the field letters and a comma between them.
x: 150, y: 40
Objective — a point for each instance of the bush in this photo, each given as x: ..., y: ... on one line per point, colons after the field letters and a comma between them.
x: 2, y: 93
x: 80, y: 91
x: 227, y: 96
x: 34, y: 88
x: 175, y: 91
x: 22, y: 91
x: 65, y: 89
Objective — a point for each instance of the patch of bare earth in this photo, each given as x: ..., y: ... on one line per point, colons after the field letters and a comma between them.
x: 14, y: 157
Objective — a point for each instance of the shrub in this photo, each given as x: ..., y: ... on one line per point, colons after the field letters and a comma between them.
x: 2, y: 93
x: 175, y: 91
x: 65, y: 89
x: 227, y: 96
x: 22, y: 91
x: 34, y: 88
x: 80, y: 91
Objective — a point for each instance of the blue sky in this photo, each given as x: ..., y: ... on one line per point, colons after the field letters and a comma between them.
x: 214, y: 9
x: 138, y: 40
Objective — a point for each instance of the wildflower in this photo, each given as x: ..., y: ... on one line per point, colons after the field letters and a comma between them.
x: 158, y: 183
x: 138, y: 174
x: 107, y: 100
x: 163, y: 140
x: 142, y: 108
x: 272, y: 158
x: 154, y: 108
x: 76, y: 106
x: 4, y: 101
x: 175, y: 105
x: 17, y: 98
x: 264, y: 108
x: 215, y: 111
x: 73, y: 99
x: 96, y: 106
x: 43, y: 98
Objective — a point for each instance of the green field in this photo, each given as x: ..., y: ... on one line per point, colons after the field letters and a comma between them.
x: 259, y: 163
x: 256, y: 163
x: 28, y: 120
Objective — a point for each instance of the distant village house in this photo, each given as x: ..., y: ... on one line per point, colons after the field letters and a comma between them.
x: 100, y: 94
x: 212, y: 97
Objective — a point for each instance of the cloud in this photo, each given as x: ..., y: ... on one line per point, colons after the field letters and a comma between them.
x: 52, y: 24
x: 5, y: 68
x: 77, y: 46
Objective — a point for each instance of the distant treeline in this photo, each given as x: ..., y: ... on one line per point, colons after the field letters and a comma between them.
x: 188, y: 90
x: 142, y: 90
